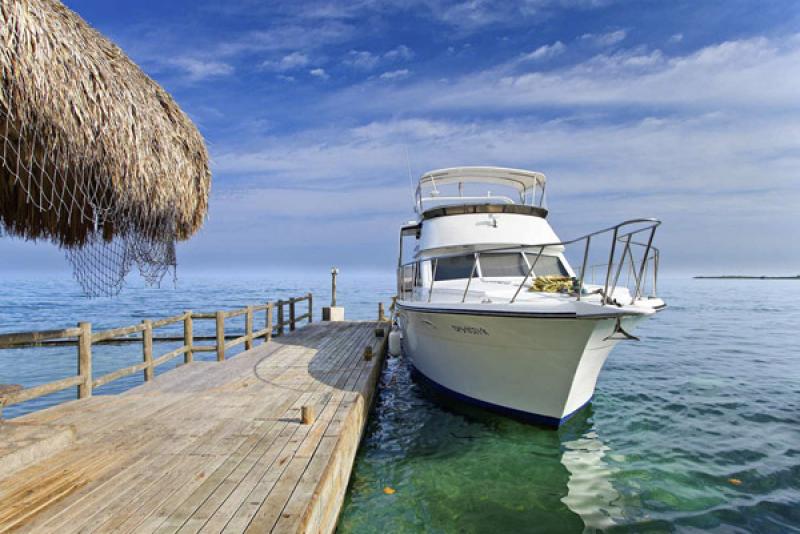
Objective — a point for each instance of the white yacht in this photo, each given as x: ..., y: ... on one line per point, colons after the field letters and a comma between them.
x: 492, y: 311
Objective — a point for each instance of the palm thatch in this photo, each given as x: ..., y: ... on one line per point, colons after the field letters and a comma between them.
x: 92, y: 148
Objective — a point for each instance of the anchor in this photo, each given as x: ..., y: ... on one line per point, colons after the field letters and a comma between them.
x: 621, y: 331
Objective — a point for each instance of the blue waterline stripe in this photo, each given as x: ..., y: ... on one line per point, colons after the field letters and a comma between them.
x: 527, y: 417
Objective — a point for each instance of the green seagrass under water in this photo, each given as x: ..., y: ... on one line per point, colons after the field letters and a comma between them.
x: 695, y: 427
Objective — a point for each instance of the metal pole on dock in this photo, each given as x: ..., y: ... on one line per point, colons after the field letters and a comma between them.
x: 334, y: 272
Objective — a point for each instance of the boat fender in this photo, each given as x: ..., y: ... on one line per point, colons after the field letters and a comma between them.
x: 395, y: 342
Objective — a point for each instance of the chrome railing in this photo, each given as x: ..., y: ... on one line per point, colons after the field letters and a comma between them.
x: 622, y: 237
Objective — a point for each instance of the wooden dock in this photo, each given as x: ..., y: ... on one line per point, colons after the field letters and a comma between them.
x: 206, y: 447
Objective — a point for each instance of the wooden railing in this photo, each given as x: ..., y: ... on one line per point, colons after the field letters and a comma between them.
x: 83, y: 337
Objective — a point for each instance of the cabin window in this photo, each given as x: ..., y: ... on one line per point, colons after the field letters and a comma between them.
x: 503, y: 264
x: 454, y: 268
x: 547, y: 266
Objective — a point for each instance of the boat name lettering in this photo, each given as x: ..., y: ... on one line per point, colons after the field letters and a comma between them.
x: 470, y: 330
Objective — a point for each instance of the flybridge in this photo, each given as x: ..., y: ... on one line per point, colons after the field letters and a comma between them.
x: 473, y: 185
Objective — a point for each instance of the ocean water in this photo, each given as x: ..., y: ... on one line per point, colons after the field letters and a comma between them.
x: 38, y: 303
x: 694, y: 428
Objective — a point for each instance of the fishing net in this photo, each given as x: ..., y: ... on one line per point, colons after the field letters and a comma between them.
x: 65, y: 199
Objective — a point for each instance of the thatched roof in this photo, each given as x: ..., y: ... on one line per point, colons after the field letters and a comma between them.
x: 90, y: 144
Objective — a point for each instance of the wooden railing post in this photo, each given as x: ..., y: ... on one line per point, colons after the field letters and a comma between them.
x: 85, y: 360
x: 381, y: 315
x: 280, y: 318
x: 310, y: 307
x: 147, y: 349
x: 220, y: 336
x: 268, y: 335
x: 248, y: 328
x: 291, y: 314
x: 188, y: 337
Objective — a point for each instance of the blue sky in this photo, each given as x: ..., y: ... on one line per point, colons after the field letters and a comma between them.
x: 687, y: 111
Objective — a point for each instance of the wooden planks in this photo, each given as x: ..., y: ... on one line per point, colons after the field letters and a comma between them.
x: 212, y: 447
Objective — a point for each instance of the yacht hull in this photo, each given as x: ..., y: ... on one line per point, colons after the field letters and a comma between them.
x: 537, y: 368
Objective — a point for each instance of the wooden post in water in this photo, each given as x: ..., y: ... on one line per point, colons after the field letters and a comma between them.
x: 310, y: 307
x: 381, y: 315
x: 248, y: 328
x: 268, y: 335
x: 85, y: 360
x: 280, y: 318
x: 188, y: 337
x: 147, y: 349
x: 291, y: 314
x: 220, y: 336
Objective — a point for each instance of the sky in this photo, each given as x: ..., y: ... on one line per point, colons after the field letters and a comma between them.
x: 315, y: 111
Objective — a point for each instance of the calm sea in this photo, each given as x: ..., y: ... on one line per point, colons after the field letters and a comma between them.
x: 696, y: 427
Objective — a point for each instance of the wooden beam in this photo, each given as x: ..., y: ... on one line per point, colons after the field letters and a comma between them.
x: 248, y: 328
x: 85, y: 360
x: 16, y: 338
x: 270, y: 309
x: 220, y: 336
x: 147, y: 349
x: 188, y: 337
x: 280, y: 318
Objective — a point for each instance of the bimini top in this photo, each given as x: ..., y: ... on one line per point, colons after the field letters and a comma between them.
x: 529, y: 186
x: 519, y: 179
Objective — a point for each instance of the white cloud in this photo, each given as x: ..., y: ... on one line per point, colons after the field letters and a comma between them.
x: 400, y: 53
x: 295, y: 60
x: 394, y: 74
x: 545, y: 52
x: 605, y: 39
x: 361, y: 59
x: 676, y: 38
x: 753, y: 73
x: 198, y: 69
x: 365, y: 60
x: 319, y: 73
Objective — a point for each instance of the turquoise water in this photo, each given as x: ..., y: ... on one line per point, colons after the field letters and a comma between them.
x: 696, y: 427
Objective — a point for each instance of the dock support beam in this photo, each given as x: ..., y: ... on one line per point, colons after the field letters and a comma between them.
x: 220, y: 336
x: 188, y: 337
x: 147, y: 349
x: 85, y: 360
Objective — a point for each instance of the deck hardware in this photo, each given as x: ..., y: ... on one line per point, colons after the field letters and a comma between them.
x: 622, y: 333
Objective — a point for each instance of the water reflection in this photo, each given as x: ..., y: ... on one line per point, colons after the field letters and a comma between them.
x: 590, y: 492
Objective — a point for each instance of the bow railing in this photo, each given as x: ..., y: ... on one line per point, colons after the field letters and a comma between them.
x: 621, y: 256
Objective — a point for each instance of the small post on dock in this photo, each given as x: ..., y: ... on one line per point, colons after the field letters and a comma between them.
x: 147, y: 349
x: 268, y: 335
x: 220, y: 336
x: 188, y: 337
x: 334, y: 272
x: 307, y: 415
x: 310, y: 307
x: 280, y: 318
x: 85, y: 360
x: 381, y: 314
x: 333, y: 312
x: 291, y: 314
x: 248, y: 328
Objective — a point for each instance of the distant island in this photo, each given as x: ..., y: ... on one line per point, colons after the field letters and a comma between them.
x: 745, y: 277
